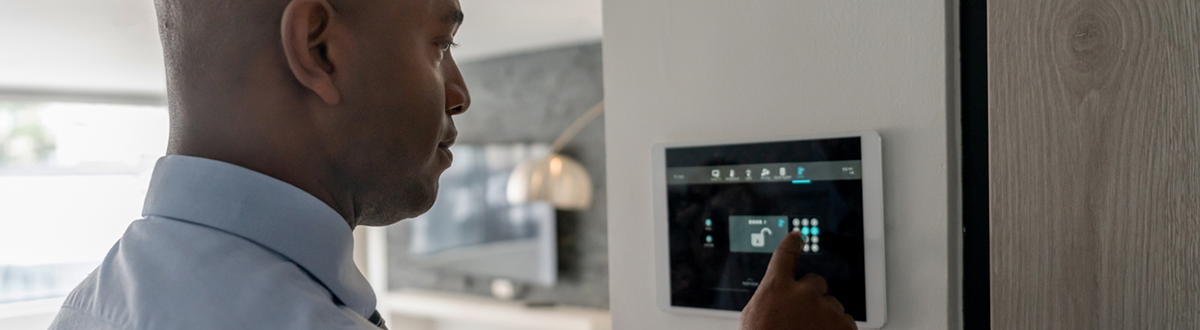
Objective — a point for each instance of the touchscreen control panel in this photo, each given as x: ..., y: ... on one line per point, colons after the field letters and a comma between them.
x: 729, y: 206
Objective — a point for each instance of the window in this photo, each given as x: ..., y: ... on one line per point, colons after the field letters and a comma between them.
x: 72, y: 178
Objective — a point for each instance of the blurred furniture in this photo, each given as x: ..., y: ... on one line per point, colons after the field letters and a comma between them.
x: 557, y: 179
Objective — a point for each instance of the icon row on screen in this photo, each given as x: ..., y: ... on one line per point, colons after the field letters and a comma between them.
x: 766, y: 172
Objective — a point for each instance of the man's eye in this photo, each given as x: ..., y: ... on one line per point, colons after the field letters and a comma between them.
x: 446, y: 46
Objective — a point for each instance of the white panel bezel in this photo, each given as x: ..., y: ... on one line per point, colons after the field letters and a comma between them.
x: 873, y: 229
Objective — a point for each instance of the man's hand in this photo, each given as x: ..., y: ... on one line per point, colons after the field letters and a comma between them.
x: 784, y: 303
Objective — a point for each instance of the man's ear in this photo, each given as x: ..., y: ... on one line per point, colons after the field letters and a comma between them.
x: 306, y: 28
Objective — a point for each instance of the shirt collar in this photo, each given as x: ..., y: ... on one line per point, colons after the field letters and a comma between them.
x: 266, y: 211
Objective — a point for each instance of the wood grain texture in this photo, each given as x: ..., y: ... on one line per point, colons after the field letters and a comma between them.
x: 1095, y: 164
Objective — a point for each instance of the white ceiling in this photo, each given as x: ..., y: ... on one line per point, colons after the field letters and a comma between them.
x: 111, y: 46
x: 499, y: 27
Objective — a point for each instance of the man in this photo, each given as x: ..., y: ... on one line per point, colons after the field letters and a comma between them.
x: 292, y: 122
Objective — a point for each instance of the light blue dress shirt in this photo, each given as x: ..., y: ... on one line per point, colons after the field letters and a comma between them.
x: 224, y: 247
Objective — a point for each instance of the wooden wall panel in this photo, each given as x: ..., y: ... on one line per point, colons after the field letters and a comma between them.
x: 1094, y: 133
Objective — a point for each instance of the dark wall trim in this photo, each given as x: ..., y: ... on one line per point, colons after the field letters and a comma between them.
x: 976, y: 290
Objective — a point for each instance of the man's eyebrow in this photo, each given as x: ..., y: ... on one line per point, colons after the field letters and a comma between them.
x: 454, y: 17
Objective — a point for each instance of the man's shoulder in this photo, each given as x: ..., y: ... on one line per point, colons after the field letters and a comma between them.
x: 74, y: 318
x: 172, y: 274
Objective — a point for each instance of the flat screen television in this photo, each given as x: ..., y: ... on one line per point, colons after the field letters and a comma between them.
x: 472, y: 229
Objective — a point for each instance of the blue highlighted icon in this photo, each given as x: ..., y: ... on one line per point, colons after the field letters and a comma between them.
x: 800, y: 172
x: 801, y: 181
x: 816, y: 231
x: 708, y: 222
x: 708, y: 238
x: 781, y: 222
x: 804, y: 231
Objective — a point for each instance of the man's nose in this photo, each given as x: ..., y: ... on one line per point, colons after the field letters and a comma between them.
x: 458, y: 99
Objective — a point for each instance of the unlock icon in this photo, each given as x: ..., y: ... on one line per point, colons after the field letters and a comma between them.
x: 759, y: 239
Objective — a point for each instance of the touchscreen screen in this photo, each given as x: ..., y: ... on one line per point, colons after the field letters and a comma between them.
x: 729, y: 207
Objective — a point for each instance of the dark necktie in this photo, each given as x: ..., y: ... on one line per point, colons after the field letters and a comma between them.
x: 378, y: 320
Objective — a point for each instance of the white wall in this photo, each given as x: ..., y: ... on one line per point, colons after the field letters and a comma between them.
x: 705, y: 69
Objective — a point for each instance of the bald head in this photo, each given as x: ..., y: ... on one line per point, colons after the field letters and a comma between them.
x: 203, y: 40
x: 349, y: 100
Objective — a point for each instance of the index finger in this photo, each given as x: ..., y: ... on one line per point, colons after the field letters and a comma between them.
x: 783, y: 261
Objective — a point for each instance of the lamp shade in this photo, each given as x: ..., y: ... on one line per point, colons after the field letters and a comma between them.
x: 557, y: 179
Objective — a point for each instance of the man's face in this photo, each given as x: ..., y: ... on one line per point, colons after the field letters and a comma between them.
x: 400, y: 87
